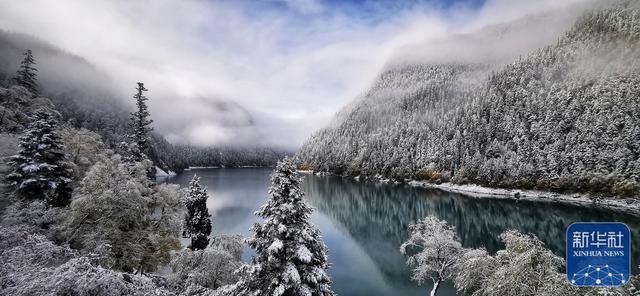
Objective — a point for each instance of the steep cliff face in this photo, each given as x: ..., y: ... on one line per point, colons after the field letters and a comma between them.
x: 563, y: 117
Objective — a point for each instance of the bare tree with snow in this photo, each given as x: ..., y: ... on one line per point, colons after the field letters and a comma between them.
x: 434, y: 251
x: 291, y: 258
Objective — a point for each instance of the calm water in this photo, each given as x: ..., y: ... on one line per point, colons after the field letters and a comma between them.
x: 363, y: 224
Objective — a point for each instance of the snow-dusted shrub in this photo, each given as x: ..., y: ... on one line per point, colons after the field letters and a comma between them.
x: 524, y: 267
x: 83, y: 148
x: 79, y: 277
x: 120, y: 221
x: 23, y: 254
x: 210, y: 268
x: 474, y: 266
x: 632, y: 287
x: 35, y: 215
x: 626, y: 188
x: 166, y: 216
x: 110, y: 212
x: 230, y: 243
x: 33, y: 265
x: 530, y: 264
x: 433, y: 249
x: 20, y: 247
x: 24, y: 212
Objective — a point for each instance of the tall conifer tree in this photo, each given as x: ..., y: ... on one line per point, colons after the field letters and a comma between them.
x: 140, y: 125
x: 26, y: 74
x: 198, y: 220
x: 40, y: 169
x: 291, y: 258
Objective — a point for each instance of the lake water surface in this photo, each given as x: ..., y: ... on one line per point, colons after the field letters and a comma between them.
x: 364, y: 223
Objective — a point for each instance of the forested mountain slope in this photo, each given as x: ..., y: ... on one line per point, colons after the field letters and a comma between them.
x: 563, y: 117
x: 80, y: 91
x: 87, y: 97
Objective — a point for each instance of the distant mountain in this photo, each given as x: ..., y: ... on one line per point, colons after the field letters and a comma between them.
x: 78, y: 89
x: 565, y: 116
x: 87, y: 97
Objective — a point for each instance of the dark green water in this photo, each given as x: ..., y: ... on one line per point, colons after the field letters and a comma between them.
x: 363, y: 223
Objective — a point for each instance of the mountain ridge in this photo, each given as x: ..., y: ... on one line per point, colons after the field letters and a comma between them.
x: 528, y: 125
x: 88, y: 97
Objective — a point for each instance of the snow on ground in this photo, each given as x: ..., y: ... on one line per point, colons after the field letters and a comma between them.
x: 8, y: 147
x: 8, y: 144
x: 616, y: 203
x: 222, y: 167
x: 160, y: 173
x: 630, y: 205
x: 201, y: 167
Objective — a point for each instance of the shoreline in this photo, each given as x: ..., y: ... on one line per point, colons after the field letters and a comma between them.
x: 224, y: 167
x: 627, y: 205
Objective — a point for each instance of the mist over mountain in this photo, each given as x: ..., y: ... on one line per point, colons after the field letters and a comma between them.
x: 88, y: 97
x: 562, y: 116
x: 495, y: 44
x: 145, y: 147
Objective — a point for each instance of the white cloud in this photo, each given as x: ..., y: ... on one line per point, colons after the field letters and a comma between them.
x: 290, y: 71
x: 304, y: 6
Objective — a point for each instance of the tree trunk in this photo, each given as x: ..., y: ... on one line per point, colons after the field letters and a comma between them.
x: 436, y: 285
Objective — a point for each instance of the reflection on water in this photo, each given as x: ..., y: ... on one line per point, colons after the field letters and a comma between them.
x: 363, y: 224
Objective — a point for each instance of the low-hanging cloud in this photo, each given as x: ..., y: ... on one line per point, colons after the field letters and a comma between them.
x: 244, y: 72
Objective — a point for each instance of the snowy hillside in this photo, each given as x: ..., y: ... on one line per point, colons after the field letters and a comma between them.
x: 562, y: 117
x: 88, y: 97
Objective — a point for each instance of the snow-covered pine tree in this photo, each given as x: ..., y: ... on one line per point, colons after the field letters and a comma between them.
x: 26, y: 75
x: 40, y: 169
x: 140, y: 125
x: 197, y: 224
x: 291, y: 258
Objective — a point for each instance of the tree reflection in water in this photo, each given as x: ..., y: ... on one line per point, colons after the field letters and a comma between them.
x: 364, y: 223
x: 377, y: 216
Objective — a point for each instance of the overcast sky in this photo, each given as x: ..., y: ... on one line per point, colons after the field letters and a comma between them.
x: 269, y: 71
